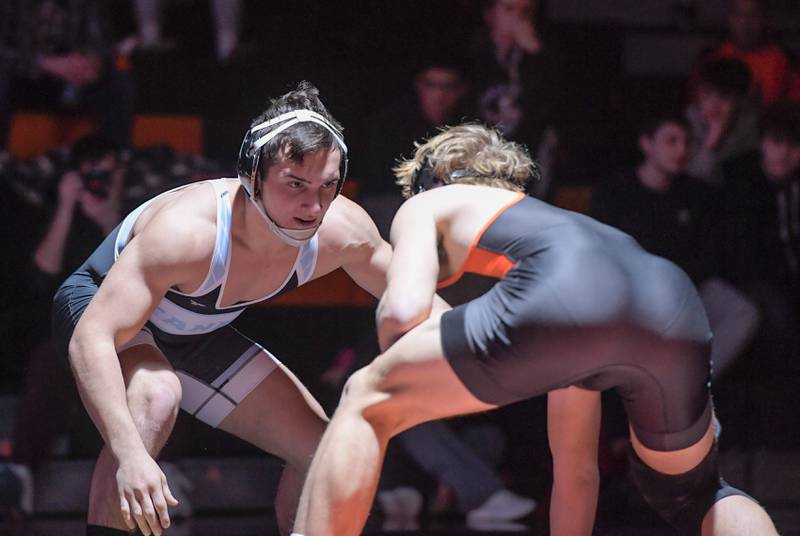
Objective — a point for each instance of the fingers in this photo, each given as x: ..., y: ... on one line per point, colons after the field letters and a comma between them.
x: 171, y: 500
x: 126, y: 511
x: 150, y: 517
x: 160, y: 505
x: 145, y: 514
x: 138, y: 515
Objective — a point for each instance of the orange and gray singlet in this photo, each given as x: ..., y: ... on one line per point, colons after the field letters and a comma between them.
x: 217, y: 366
x: 571, y: 301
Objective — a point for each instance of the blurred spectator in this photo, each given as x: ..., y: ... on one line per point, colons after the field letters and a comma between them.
x: 514, y: 72
x: 87, y: 208
x: 763, y: 207
x: 764, y: 197
x: 60, y: 52
x: 678, y: 218
x: 773, y: 67
x: 438, y: 99
x: 227, y: 24
x: 460, y: 471
x: 95, y: 185
x: 723, y: 119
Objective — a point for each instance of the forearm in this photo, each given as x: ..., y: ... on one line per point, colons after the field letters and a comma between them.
x: 574, y: 503
x: 102, y: 390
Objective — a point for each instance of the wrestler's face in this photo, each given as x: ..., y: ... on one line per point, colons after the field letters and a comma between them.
x: 667, y: 148
x: 780, y: 159
x: 296, y: 194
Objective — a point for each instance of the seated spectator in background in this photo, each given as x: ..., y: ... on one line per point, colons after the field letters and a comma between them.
x: 438, y: 99
x: 227, y: 25
x: 678, y: 218
x: 515, y: 74
x: 94, y: 184
x: 723, y: 119
x: 61, y: 53
x: 773, y: 67
x: 763, y: 208
x: 87, y: 207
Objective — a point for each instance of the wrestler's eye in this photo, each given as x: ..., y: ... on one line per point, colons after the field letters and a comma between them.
x: 329, y: 184
x: 295, y: 185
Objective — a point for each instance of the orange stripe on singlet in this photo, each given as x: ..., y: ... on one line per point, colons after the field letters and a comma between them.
x: 481, y: 261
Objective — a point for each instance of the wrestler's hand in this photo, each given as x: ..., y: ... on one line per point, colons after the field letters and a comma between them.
x: 144, y: 494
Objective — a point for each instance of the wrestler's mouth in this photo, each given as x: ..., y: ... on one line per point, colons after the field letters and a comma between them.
x: 302, y: 222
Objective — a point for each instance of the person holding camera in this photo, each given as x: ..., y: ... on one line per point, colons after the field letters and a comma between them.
x: 87, y: 207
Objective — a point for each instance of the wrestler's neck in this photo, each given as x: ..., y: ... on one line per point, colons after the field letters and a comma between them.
x: 251, y: 231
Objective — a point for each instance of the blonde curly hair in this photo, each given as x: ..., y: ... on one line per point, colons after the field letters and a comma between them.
x: 469, y: 154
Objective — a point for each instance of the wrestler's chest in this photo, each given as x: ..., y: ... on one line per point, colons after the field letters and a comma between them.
x: 251, y: 278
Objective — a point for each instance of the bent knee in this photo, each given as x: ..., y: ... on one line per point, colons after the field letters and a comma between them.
x: 363, y: 396
x: 157, y: 394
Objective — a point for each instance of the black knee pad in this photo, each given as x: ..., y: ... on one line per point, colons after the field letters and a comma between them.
x: 683, y: 500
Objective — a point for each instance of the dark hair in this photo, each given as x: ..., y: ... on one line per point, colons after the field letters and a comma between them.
x: 90, y: 148
x: 441, y: 58
x: 781, y: 121
x: 656, y: 118
x: 727, y: 76
x: 302, y: 138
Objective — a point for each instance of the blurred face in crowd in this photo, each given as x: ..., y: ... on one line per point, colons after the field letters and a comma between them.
x: 715, y: 107
x: 503, y: 16
x: 780, y: 158
x: 747, y: 22
x: 667, y: 149
x: 101, y: 175
x: 439, y: 92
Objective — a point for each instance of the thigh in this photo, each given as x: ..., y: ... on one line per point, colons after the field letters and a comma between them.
x: 216, y: 370
x: 144, y: 367
x: 279, y: 416
x: 419, y: 379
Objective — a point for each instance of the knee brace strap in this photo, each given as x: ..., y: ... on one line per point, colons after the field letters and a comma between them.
x: 683, y: 500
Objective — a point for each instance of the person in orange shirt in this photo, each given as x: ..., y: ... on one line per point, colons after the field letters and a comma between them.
x: 774, y: 69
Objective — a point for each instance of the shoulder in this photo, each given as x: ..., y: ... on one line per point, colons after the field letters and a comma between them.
x: 347, y: 226
x: 181, y: 230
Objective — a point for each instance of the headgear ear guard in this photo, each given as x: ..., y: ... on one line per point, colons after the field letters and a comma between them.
x: 424, y: 178
x: 250, y: 155
x: 250, y: 152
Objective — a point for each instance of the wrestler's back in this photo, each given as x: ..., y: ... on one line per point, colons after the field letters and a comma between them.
x: 595, y: 271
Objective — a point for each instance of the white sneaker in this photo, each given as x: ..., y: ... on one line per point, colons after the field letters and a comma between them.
x: 25, y: 478
x: 401, y: 507
x: 502, y: 505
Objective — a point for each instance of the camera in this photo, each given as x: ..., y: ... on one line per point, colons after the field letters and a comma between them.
x: 97, y: 182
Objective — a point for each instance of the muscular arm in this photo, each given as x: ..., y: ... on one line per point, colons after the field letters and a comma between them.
x: 573, y: 427
x: 157, y: 259
x: 413, y: 272
x: 366, y: 255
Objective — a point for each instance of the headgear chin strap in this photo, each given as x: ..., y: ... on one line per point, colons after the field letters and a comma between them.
x: 250, y: 154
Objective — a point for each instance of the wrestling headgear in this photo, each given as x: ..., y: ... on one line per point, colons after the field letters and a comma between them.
x: 424, y: 178
x: 250, y: 154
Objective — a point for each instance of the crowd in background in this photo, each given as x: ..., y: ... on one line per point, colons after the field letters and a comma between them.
x: 715, y: 188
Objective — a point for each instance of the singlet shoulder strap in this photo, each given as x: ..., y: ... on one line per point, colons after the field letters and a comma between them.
x: 220, y: 259
x: 307, y: 260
